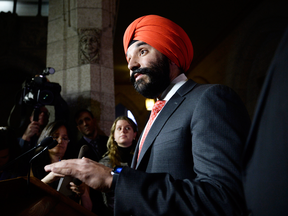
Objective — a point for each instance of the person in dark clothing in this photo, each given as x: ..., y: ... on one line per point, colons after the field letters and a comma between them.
x: 9, y: 150
x: 31, y: 135
x: 87, y: 125
x: 188, y: 158
x: 59, y: 131
x: 265, y: 161
x: 121, y: 145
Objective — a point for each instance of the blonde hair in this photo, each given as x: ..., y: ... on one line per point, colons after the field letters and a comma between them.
x: 112, y: 146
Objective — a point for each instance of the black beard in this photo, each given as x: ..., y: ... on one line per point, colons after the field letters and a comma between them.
x: 158, y: 75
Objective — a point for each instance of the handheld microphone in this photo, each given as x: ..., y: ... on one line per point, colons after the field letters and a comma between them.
x: 45, y: 142
x: 83, y: 151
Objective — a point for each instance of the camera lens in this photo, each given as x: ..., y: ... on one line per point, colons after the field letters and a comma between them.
x: 45, y: 97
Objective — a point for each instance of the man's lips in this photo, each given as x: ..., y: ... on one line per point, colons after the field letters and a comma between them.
x: 137, y: 76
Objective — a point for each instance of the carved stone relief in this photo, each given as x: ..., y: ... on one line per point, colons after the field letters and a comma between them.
x: 89, y: 45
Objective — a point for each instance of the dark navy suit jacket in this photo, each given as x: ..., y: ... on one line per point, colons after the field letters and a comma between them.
x: 190, y: 161
x: 265, y: 161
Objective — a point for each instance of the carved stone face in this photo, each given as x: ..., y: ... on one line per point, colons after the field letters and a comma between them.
x: 89, y: 45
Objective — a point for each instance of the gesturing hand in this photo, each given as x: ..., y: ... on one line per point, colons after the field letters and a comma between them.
x: 95, y: 175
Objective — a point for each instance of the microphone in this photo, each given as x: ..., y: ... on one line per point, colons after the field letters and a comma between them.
x: 47, y: 146
x: 45, y: 142
x: 83, y: 151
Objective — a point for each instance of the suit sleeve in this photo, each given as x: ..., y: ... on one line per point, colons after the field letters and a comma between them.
x: 219, y: 127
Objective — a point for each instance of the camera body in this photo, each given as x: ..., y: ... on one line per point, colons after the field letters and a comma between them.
x: 38, y: 91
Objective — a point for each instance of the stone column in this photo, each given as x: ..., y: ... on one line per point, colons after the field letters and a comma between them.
x: 80, y: 49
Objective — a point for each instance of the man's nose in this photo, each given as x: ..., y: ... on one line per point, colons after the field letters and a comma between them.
x: 133, y: 64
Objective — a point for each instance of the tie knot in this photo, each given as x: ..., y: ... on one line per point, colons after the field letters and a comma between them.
x: 158, y: 106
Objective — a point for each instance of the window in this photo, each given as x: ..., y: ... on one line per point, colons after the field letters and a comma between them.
x: 25, y: 7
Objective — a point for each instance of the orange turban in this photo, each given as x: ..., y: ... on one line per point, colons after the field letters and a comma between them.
x: 164, y: 35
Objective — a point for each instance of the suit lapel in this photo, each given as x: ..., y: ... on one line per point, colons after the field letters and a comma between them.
x: 161, y: 119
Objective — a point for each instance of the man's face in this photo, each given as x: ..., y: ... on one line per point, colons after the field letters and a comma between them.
x: 86, y: 124
x: 149, y: 69
x: 89, y: 44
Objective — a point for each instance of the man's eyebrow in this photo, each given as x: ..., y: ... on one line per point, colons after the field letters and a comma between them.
x: 141, y: 43
x: 138, y: 45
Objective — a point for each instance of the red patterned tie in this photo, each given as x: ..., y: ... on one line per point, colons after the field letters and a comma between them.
x: 156, y: 108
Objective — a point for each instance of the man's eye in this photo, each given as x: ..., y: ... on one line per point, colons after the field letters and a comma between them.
x: 142, y: 52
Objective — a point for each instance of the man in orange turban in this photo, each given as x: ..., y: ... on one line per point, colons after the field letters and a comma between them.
x: 188, y: 158
x: 164, y: 35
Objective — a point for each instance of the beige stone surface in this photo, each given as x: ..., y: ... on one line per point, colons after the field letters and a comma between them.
x: 55, y: 30
x: 55, y: 55
x: 72, y: 52
x: 88, y: 85
x: 89, y: 18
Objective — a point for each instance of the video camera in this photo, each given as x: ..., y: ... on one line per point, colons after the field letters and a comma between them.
x: 38, y: 91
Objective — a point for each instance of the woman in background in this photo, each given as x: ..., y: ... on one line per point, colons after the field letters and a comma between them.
x: 58, y: 130
x: 121, y: 145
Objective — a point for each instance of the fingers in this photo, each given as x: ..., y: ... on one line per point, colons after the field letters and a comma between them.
x: 32, y: 129
x: 79, y: 190
x: 95, y: 175
x: 64, y: 167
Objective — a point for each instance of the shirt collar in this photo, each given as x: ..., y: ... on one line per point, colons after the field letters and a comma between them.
x: 87, y: 139
x: 173, y: 87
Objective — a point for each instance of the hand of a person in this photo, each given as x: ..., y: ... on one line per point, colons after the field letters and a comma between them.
x: 32, y: 129
x: 79, y: 190
x: 95, y: 175
x: 83, y: 192
x: 51, y: 177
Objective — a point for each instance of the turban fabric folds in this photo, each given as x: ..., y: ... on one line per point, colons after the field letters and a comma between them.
x: 164, y: 35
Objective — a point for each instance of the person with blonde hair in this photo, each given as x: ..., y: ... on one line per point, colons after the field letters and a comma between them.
x: 121, y: 145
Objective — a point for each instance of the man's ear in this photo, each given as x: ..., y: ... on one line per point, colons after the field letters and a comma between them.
x: 172, y: 65
x: 171, y: 62
x: 174, y: 70
x: 78, y: 128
